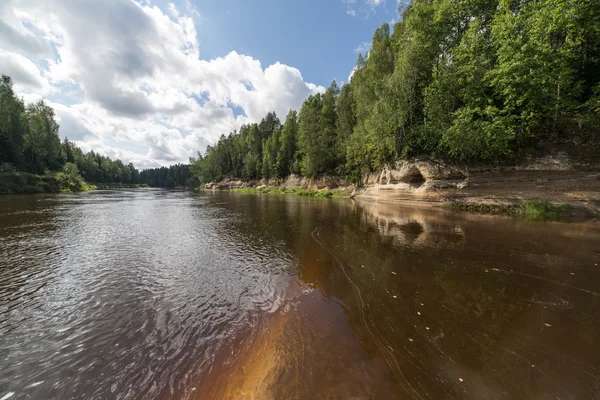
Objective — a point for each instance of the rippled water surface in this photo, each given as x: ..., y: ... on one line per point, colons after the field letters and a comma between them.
x: 150, y: 294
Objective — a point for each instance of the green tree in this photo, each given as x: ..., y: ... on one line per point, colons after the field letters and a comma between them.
x: 287, y: 160
x: 42, y: 148
x: 12, y: 123
x: 317, y: 133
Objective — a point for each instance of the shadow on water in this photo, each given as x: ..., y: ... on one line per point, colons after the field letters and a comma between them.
x: 155, y: 294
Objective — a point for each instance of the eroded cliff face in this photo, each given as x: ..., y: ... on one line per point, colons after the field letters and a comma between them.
x: 418, y: 180
x: 555, y: 178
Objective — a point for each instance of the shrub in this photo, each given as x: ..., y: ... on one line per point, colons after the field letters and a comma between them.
x: 541, y: 209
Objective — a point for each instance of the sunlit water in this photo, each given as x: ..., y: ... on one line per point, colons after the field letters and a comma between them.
x: 144, y: 294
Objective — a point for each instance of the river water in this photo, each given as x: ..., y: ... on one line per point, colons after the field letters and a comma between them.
x: 151, y: 294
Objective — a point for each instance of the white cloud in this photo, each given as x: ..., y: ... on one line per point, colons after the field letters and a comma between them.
x: 134, y: 74
x: 15, y: 36
x: 363, y: 48
x: 364, y: 8
x: 24, y: 73
x: 352, y: 73
x: 173, y: 10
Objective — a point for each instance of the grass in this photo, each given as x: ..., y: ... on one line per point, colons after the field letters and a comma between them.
x: 298, y: 192
x: 541, y: 209
x: 528, y: 209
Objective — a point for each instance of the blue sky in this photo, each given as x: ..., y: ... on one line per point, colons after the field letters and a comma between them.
x: 155, y: 81
x: 319, y: 37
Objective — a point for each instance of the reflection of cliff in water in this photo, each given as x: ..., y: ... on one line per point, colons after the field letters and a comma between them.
x: 412, y: 226
x: 495, y: 302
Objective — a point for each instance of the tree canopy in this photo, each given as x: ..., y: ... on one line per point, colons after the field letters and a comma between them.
x: 178, y: 175
x: 465, y: 80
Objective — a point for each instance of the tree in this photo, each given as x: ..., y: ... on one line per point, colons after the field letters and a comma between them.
x: 42, y: 148
x: 287, y: 160
x: 12, y: 123
x: 271, y: 147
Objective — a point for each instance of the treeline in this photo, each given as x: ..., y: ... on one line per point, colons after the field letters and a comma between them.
x: 178, y: 175
x: 30, y: 146
x: 97, y: 168
x: 464, y: 80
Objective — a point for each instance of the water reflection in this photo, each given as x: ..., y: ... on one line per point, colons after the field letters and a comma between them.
x: 453, y: 305
x: 155, y: 294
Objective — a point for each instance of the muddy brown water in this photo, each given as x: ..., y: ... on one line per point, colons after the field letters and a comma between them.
x: 150, y: 294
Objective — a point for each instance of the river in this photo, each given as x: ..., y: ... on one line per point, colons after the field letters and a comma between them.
x: 153, y: 294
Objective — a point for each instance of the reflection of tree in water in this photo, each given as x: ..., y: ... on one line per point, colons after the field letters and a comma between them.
x: 31, y: 222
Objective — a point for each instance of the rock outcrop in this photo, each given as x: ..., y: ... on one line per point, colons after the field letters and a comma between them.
x: 324, y: 182
x: 419, y: 179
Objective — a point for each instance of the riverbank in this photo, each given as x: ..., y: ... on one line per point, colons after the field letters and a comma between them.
x: 17, y: 182
x: 550, y: 186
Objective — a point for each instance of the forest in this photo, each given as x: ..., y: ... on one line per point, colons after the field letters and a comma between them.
x: 461, y: 80
x: 33, y: 159
x: 173, y: 176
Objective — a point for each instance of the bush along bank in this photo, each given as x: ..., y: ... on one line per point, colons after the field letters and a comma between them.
x: 536, y: 210
x: 67, y: 180
x: 294, y: 191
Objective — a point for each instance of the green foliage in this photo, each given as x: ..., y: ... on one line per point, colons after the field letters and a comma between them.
x: 295, y: 191
x: 528, y: 209
x: 540, y: 209
x: 317, y: 133
x: 465, y: 80
x: 41, y: 144
x: 69, y: 179
x: 13, y: 181
x: 12, y: 123
x: 287, y: 160
x: 33, y: 159
x: 177, y: 175
x: 346, y: 121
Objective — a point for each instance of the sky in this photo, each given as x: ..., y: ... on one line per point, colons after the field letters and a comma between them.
x: 153, y: 82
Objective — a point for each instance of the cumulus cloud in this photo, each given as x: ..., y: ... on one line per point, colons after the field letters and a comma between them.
x: 15, y: 36
x: 24, y: 72
x: 132, y: 73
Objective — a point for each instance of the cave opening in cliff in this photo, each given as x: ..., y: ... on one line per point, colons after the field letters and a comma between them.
x: 414, y: 177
